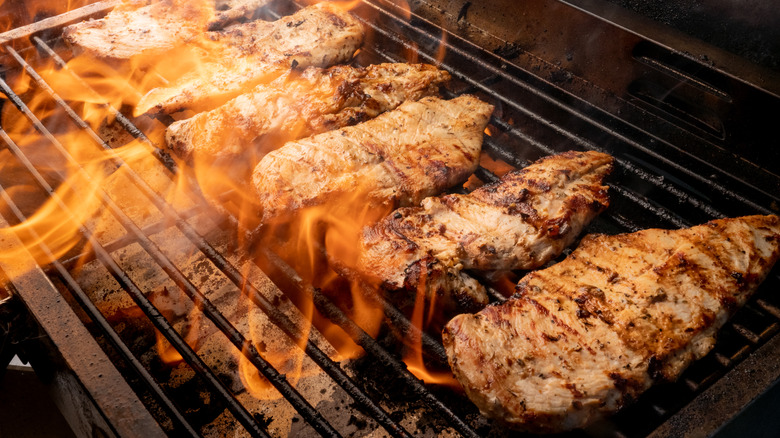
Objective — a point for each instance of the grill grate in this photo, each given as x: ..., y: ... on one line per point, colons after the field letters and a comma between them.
x: 652, y: 186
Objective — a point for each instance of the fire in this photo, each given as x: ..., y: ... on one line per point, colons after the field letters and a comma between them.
x: 413, y: 342
x: 442, y: 49
x: 173, y: 305
x: 498, y: 167
x: 279, y: 351
x: 84, y: 178
x: 331, y: 232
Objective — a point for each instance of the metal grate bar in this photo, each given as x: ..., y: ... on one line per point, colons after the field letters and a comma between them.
x: 127, y: 239
x: 94, y: 314
x: 396, y: 318
x: 769, y: 307
x: 234, y: 275
x: 747, y: 334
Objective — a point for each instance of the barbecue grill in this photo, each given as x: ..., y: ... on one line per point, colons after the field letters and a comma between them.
x: 690, y: 126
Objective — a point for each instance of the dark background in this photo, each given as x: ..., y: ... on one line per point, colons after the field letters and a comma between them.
x: 749, y: 28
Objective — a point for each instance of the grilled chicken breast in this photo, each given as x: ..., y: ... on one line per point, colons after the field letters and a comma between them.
x: 297, y: 105
x: 520, y: 222
x: 400, y: 157
x: 244, y: 55
x: 588, y: 335
x: 148, y: 28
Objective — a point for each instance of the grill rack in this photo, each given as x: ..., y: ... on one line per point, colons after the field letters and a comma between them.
x: 685, y: 200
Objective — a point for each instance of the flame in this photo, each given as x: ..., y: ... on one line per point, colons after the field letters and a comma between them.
x: 413, y: 341
x: 346, y: 5
x: 174, y: 307
x: 317, y: 236
x: 504, y: 283
x: 496, y: 166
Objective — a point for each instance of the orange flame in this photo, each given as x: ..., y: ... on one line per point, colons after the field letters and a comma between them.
x: 413, y: 341
x: 505, y: 284
x: 92, y: 87
x: 282, y: 354
x: 441, y: 50
x: 173, y: 307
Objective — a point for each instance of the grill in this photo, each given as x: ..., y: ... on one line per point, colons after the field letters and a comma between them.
x: 688, y: 124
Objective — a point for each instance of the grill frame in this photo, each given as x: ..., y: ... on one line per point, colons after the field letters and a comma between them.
x: 546, y: 128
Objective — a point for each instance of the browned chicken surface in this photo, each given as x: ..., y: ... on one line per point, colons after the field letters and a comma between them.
x: 245, y: 55
x: 520, y: 222
x: 588, y: 335
x: 142, y: 27
x: 400, y: 157
x: 298, y: 105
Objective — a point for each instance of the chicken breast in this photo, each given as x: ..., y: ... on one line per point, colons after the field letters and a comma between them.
x: 244, y: 55
x: 298, y: 105
x: 588, y: 335
x: 520, y: 222
x: 137, y: 27
x: 398, y: 158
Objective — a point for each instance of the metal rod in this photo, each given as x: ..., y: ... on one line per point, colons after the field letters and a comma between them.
x: 121, y: 242
x: 58, y: 20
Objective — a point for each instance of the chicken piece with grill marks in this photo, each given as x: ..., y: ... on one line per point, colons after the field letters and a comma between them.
x: 144, y: 28
x: 520, y: 222
x: 400, y: 157
x: 245, y: 55
x: 588, y: 335
x: 298, y: 105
